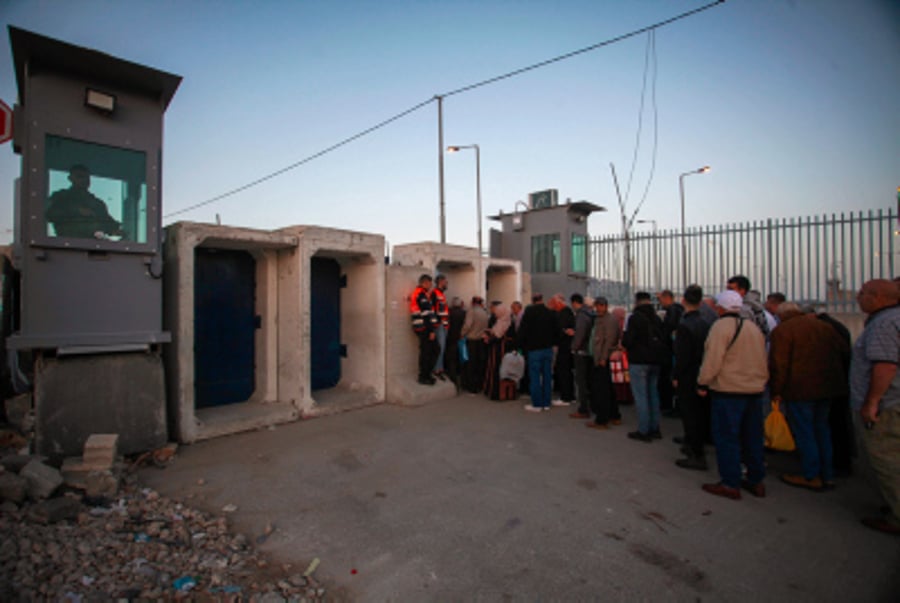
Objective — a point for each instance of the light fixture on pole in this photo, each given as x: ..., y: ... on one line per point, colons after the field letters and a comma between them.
x: 655, y: 253
x: 684, y: 262
x: 454, y: 149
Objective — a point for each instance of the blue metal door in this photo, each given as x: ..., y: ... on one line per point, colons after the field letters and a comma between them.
x: 325, y: 316
x: 224, y: 325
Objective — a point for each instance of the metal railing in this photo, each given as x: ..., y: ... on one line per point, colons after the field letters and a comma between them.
x: 818, y: 260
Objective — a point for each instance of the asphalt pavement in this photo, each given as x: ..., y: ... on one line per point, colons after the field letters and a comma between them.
x: 471, y: 500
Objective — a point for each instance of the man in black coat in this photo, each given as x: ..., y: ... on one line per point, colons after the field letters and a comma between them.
x: 690, y: 337
x: 643, y: 340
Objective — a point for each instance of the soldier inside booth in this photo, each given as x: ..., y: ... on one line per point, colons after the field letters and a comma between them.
x: 95, y: 191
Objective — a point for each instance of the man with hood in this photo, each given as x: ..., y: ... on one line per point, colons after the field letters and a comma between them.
x: 751, y: 307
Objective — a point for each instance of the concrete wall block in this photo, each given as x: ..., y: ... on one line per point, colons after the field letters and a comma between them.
x: 78, y: 396
x: 42, y: 479
x: 75, y: 472
x: 101, y: 484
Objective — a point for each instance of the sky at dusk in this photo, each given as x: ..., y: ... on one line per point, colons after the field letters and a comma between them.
x: 793, y: 103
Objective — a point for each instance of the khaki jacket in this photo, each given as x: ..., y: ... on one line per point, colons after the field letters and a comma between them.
x: 605, y: 338
x: 739, y: 369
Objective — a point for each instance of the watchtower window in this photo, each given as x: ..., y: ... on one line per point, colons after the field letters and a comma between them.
x: 95, y: 191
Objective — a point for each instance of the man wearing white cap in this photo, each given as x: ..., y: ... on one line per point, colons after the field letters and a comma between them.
x: 734, y: 373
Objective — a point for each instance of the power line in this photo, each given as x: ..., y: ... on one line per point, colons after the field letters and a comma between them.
x: 569, y: 55
x: 655, y: 133
x: 640, y: 126
x: 451, y: 93
x: 302, y: 161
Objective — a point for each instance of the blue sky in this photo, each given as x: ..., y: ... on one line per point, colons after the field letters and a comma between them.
x: 792, y: 102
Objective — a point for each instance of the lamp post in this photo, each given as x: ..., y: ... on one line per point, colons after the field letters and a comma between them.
x: 454, y: 149
x: 684, y: 262
x: 655, y: 254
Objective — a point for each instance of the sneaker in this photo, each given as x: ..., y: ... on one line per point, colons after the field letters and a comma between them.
x: 559, y: 403
x: 881, y: 524
x: 545, y: 408
x: 532, y: 408
x: 579, y: 415
x: 757, y: 490
x: 655, y: 434
x: 637, y: 435
x: 594, y: 425
x: 721, y: 489
x: 693, y: 462
x: 798, y: 481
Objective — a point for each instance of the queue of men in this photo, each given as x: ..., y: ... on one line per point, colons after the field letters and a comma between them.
x: 717, y: 364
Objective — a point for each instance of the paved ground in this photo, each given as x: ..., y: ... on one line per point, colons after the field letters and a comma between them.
x: 473, y: 500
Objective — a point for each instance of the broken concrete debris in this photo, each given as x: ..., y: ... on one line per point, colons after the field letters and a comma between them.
x: 91, y: 532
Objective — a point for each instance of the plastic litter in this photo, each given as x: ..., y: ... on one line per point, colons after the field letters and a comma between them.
x: 312, y: 568
x: 185, y: 583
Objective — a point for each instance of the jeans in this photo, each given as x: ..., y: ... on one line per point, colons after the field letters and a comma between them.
x: 441, y: 338
x: 540, y: 375
x: 644, y: 381
x: 737, y: 429
x: 809, y: 424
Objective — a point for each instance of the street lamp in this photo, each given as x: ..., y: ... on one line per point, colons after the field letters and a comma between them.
x: 454, y: 149
x: 684, y: 262
x: 655, y: 254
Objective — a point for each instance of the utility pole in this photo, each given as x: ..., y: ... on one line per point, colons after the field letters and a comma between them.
x: 440, y: 104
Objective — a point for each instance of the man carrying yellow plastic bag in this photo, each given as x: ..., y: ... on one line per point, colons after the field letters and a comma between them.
x: 806, y: 369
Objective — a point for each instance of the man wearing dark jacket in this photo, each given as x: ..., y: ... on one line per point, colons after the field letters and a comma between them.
x: 690, y: 337
x: 673, y: 313
x: 563, y: 378
x: 581, y: 355
x: 536, y: 336
x: 643, y: 340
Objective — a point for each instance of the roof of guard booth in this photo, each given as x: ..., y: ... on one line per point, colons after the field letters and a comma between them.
x: 43, y: 53
x: 581, y: 207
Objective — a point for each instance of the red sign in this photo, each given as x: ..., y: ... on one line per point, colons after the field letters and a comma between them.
x: 5, y: 122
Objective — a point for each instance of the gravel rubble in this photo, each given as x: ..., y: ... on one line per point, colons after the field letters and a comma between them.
x: 135, y: 545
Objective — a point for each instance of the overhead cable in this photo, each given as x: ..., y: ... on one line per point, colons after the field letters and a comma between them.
x: 451, y: 93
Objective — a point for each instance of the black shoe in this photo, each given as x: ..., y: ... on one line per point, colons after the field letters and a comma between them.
x: 655, y: 434
x: 427, y: 380
x: 693, y: 462
x: 678, y: 439
x: 672, y: 413
x: 637, y: 435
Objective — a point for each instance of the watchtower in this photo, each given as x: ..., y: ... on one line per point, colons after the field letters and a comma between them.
x: 88, y: 241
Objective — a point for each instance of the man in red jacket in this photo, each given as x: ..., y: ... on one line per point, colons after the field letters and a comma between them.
x: 424, y: 324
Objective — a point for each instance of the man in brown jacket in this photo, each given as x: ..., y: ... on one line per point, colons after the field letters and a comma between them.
x: 604, y: 340
x: 806, y: 366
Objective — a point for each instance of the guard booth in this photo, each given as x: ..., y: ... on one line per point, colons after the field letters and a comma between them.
x: 87, y: 242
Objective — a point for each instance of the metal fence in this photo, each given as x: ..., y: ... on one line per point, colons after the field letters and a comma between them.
x: 819, y: 260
